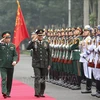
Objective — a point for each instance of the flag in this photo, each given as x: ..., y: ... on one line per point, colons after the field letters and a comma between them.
x: 20, y: 31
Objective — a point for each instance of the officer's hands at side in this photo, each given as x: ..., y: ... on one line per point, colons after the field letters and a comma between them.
x: 14, y: 63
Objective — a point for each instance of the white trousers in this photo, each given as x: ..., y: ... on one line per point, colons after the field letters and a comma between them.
x: 96, y: 73
x: 87, y: 70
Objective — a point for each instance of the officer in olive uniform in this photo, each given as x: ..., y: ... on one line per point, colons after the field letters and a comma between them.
x: 8, y: 58
x: 75, y: 57
x: 69, y: 59
x: 41, y: 61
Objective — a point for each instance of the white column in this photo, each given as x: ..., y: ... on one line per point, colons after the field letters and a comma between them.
x: 86, y: 12
x: 69, y: 13
x: 98, y: 12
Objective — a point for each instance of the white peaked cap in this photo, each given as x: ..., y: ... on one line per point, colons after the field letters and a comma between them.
x: 87, y: 27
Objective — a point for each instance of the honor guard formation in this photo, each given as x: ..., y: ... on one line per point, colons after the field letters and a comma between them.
x: 68, y: 56
x: 75, y: 56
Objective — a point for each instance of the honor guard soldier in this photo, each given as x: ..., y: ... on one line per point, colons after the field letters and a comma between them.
x: 65, y: 54
x: 96, y: 70
x: 57, y: 51
x: 60, y: 60
x: 69, y: 59
x: 53, y: 70
x: 8, y: 59
x: 64, y: 70
x: 83, y: 58
x: 52, y: 53
x: 75, y: 59
x: 41, y: 61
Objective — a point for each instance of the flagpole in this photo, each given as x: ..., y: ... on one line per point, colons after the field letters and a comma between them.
x: 18, y: 3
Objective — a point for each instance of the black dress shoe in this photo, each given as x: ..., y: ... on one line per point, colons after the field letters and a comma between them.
x: 37, y: 96
x: 70, y: 86
x: 4, y: 95
x: 76, y: 88
x: 86, y: 91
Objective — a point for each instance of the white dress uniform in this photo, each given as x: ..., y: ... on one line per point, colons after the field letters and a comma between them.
x: 84, y: 57
x: 96, y: 71
x: 90, y: 57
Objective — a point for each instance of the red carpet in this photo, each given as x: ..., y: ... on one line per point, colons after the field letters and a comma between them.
x: 21, y: 91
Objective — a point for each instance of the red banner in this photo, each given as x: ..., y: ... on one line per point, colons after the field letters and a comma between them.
x: 20, y: 31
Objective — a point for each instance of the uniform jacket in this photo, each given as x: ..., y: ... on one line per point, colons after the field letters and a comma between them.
x: 75, y: 49
x: 8, y: 54
x: 41, y: 53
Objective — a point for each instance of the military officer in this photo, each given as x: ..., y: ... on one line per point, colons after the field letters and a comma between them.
x: 8, y: 58
x: 41, y: 61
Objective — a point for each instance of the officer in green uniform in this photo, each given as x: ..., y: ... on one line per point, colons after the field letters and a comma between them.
x: 61, y: 57
x: 8, y: 58
x: 65, y: 65
x: 41, y: 61
x: 75, y: 57
x: 69, y: 58
x: 53, y: 53
x: 55, y: 62
x: 51, y: 69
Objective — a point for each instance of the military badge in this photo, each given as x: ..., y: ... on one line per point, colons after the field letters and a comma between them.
x: 3, y: 47
x: 11, y: 48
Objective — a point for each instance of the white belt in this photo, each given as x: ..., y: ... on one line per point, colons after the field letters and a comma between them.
x: 76, y: 50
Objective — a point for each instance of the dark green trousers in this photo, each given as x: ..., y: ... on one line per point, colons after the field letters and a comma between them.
x: 39, y: 83
x: 7, y: 77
